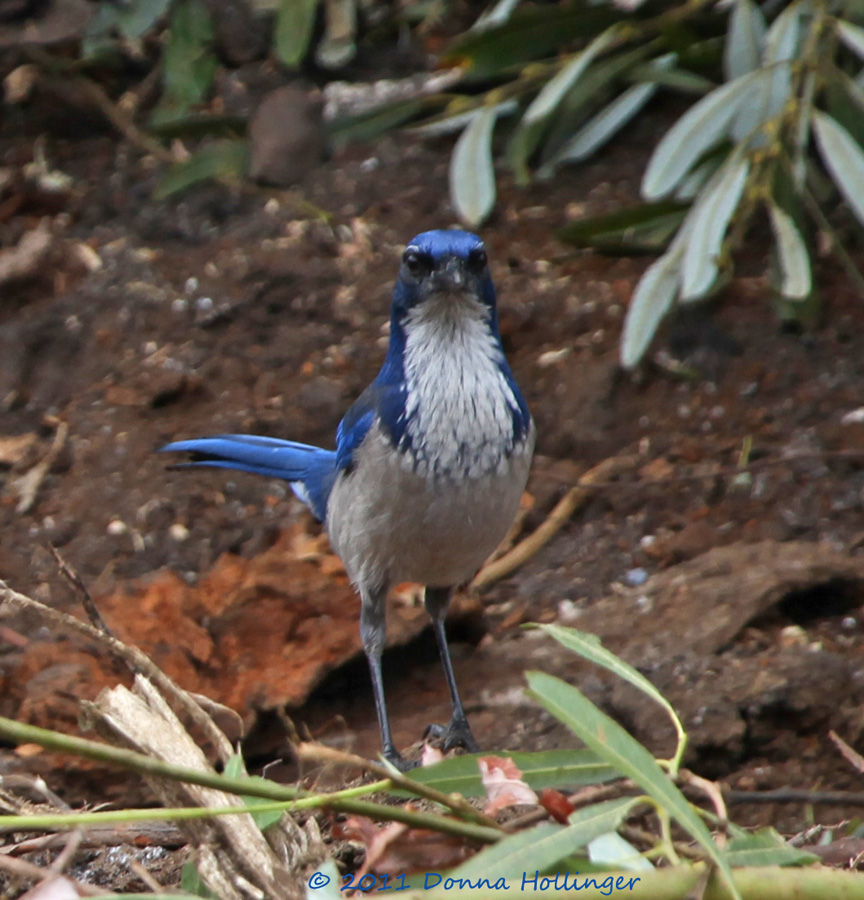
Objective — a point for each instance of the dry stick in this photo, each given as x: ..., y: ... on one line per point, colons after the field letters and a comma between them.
x: 576, y: 497
x: 136, y: 659
x: 72, y: 576
x: 28, y: 484
x: 322, y: 753
x: 795, y: 795
x: 244, y: 786
x: 855, y: 759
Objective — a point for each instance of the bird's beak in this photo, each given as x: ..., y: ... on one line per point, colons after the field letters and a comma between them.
x: 450, y: 277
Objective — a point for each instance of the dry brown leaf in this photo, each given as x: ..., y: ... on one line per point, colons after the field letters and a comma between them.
x: 502, y: 779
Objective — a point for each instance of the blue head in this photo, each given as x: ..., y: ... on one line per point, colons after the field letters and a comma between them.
x: 444, y: 264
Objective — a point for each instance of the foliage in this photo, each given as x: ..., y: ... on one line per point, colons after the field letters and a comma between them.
x: 590, y: 840
x: 773, y: 83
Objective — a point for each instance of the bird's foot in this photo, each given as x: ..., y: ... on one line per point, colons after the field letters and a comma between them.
x: 395, y: 758
x: 456, y: 734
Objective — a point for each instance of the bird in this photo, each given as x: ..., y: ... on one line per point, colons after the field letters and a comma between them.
x: 430, y: 462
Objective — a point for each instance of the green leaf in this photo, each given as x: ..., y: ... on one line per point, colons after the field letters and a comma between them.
x: 712, y: 214
x: 546, y: 769
x: 370, y: 124
x: 447, y: 123
x: 600, y: 818
x: 545, y: 103
x: 652, y: 299
x: 235, y: 767
x: 589, y: 647
x: 472, y: 173
x: 646, y: 228
x: 295, y: 22
x: 852, y: 36
x: 223, y: 159
x: 797, y: 281
x: 742, y: 51
x: 699, y: 129
x: 530, y: 33
x: 192, y: 883
x: 189, y: 63
x: 609, y: 740
x: 612, y: 850
x: 765, y: 847
x: 338, y: 46
x: 129, y: 20
x: 535, y: 849
x: 330, y: 889
x: 495, y: 15
x: 602, y: 127
x: 843, y: 158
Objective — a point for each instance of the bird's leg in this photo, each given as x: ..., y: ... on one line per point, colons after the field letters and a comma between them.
x: 373, y: 632
x: 458, y: 732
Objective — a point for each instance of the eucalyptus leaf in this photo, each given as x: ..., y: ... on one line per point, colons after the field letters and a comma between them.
x: 295, y: 22
x: 652, y: 299
x: 713, y: 212
x: 843, y: 158
x: 447, y: 124
x: 540, y: 770
x: 589, y: 647
x: 553, y: 91
x: 472, y: 173
x: 497, y: 14
x: 699, y: 129
x: 852, y: 36
x: 612, y: 850
x: 742, y: 52
x: 189, y: 61
x: 602, y: 127
x: 646, y: 228
x: 765, y: 848
x: 797, y: 281
x: 609, y: 740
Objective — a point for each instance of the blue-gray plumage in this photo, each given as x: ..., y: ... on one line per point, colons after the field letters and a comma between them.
x: 430, y: 461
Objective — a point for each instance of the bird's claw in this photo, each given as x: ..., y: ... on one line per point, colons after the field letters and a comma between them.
x: 456, y: 734
x: 403, y: 765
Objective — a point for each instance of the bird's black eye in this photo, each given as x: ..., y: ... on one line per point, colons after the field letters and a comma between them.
x: 416, y: 263
x: 477, y: 259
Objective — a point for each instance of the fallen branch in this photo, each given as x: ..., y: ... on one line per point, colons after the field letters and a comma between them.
x: 575, y: 498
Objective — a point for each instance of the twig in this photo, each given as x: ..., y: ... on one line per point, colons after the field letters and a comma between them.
x: 72, y: 576
x: 343, y: 801
x: 795, y: 795
x: 711, y: 790
x: 66, y: 855
x: 136, y: 659
x: 853, y: 757
x: 28, y: 484
x: 148, y: 880
x: 322, y: 753
x: 576, y: 497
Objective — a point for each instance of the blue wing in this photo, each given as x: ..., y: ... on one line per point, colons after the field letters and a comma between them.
x: 381, y: 402
x: 310, y: 470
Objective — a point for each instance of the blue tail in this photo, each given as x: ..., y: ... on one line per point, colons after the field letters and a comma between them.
x: 311, y: 471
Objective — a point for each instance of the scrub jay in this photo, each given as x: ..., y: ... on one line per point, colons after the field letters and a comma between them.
x: 430, y: 461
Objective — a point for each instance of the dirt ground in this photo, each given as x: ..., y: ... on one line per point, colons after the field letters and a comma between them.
x: 737, y: 590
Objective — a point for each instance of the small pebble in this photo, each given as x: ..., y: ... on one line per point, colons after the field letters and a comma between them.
x: 179, y: 305
x: 117, y: 526
x: 849, y: 622
x: 636, y: 577
x: 204, y: 304
x: 178, y: 532
x: 191, y: 285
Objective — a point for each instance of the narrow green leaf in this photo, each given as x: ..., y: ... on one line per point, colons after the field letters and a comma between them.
x: 447, y: 124
x: 852, y: 36
x: 324, y: 883
x: 472, y: 173
x: 797, y: 282
x: 545, y: 769
x: 781, y: 41
x: 609, y: 740
x: 370, y: 124
x: 192, y: 883
x: 295, y: 22
x: 338, y: 45
x: 189, y: 61
x: 652, y: 299
x: 497, y: 14
x: 765, y: 847
x: 646, y: 228
x: 843, y: 158
x: 553, y: 91
x: 699, y: 129
x: 600, y: 818
x: 223, y: 159
x: 589, y: 647
x: 531, y: 32
x: 602, y: 127
x: 742, y: 51
x: 712, y: 214
x: 612, y: 850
